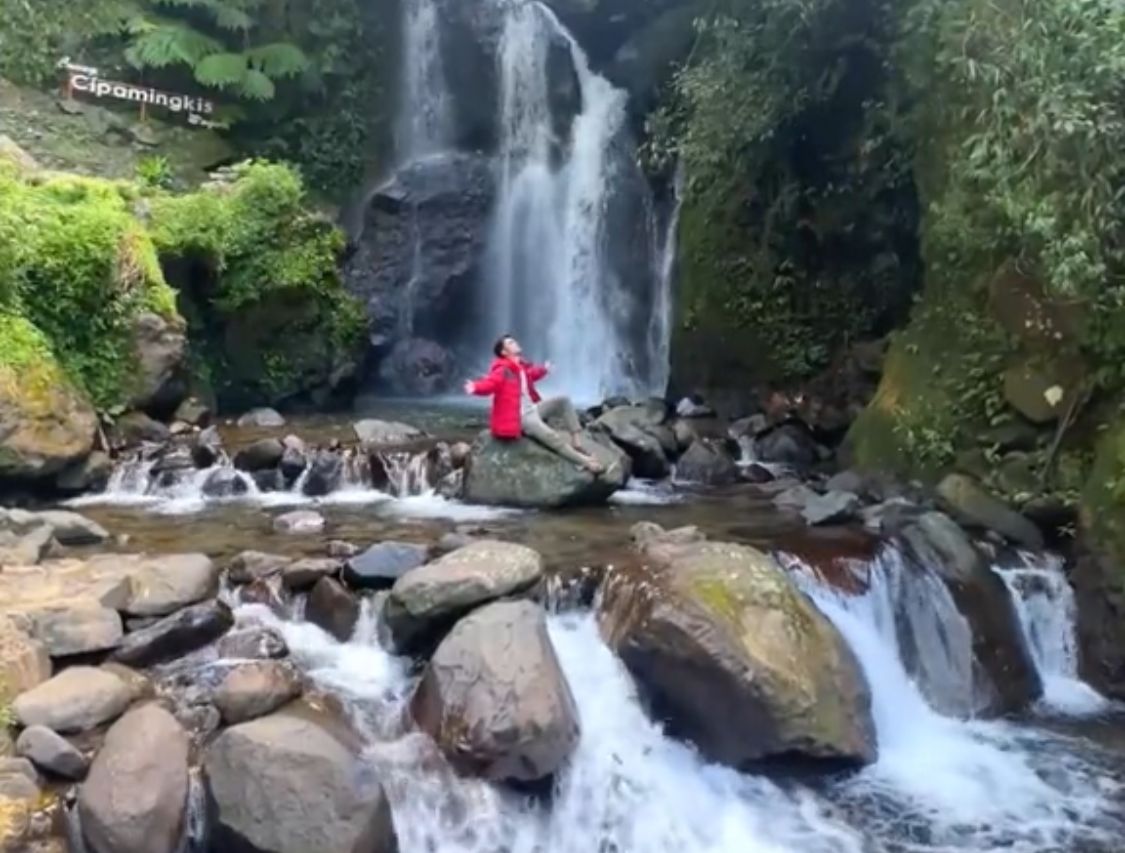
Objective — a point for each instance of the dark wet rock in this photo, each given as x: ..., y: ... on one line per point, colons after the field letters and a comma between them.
x: 1005, y: 679
x: 134, y: 799
x: 76, y: 700
x: 225, y: 483
x: 636, y: 430
x: 384, y: 563
x: 268, y: 593
x: 418, y: 367
x: 294, y: 459
x: 173, y: 458
x: 707, y: 462
x: 325, y: 472
x: 159, y: 376
x: 790, y: 444
x: 444, y: 204
x: 268, y: 480
x: 263, y: 417
x: 735, y: 658
x: 426, y: 601
x: 51, y: 752
x: 975, y: 507
x: 256, y: 643
x: 889, y: 516
x: 749, y: 427
x: 847, y: 481
x: 175, y: 635
x: 290, y: 783
x: 523, y: 473
x: 333, y: 608
x: 300, y: 521
x: 65, y: 527
x: 255, y: 689
x: 832, y: 507
x: 86, y: 475
x: 684, y: 434
x: 495, y: 699
x: 694, y: 407
x: 207, y: 449
x: 755, y: 473
x: 303, y: 574
x: 251, y: 565
x: 459, y: 453
x: 263, y: 453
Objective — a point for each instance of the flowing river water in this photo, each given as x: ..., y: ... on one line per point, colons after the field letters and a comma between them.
x: 1052, y: 779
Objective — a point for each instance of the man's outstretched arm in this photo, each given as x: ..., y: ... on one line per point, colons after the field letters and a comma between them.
x: 484, y: 386
x: 535, y: 372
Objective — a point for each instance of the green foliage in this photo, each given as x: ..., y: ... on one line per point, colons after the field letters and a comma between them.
x: 79, y: 266
x: 35, y: 34
x: 155, y: 172
x: 7, y: 715
x: 270, y: 311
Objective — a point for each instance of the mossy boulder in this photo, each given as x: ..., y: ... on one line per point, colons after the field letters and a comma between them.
x: 735, y: 658
x: 46, y: 422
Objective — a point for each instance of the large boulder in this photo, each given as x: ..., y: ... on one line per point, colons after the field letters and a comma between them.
x: 494, y: 697
x: 175, y: 635
x: 333, y: 608
x: 1004, y: 678
x: 425, y: 602
x: 524, y: 473
x: 76, y: 700
x: 442, y: 205
x: 259, y: 455
x: 46, y: 423
x: 973, y: 506
x: 160, y: 378
x: 789, y: 444
x: 76, y: 628
x: 735, y: 658
x: 134, y: 799
x: 67, y: 528
x: 291, y: 783
x: 163, y: 584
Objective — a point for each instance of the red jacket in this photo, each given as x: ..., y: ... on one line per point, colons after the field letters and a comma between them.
x: 503, y: 383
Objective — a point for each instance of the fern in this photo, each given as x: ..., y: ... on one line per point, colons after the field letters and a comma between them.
x: 221, y: 70
x: 256, y: 86
x: 159, y: 44
x: 278, y: 60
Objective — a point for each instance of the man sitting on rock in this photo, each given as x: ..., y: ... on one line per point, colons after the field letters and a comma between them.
x: 517, y: 409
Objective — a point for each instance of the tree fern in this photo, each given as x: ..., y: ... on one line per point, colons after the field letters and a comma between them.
x: 221, y: 70
x: 278, y: 60
x: 161, y: 43
x: 256, y: 86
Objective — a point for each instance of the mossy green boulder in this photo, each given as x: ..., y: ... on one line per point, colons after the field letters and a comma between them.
x: 734, y: 657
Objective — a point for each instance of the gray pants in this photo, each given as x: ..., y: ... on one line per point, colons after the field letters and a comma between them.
x: 534, y: 423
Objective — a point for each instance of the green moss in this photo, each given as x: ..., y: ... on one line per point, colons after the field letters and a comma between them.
x: 1103, y: 498
x: 270, y: 316
x: 79, y: 266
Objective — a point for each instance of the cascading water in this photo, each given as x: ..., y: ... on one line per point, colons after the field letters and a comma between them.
x: 660, y: 326
x: 425, y: 123
x: 940, y: 784
x: 1047, y: 612
x: 554, y: 261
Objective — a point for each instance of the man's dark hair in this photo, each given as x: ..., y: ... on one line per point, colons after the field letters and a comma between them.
x: 498, y: 347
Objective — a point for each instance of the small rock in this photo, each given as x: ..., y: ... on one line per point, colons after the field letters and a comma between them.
x: 76, y: 700
x: 383, y: 433
x: 830, y: 508
x: 303, y: 574
x: 684, y: 434
x: 87, y: 475
x: 301, y: 521
x: 175, y: 635
x: 51, y: 752
x: 694, y: 407
x: 136, y: 428
x: 452, y: 541
x: 248, y: 566
x: 293, y: 458
x: 135, y: 797
x: 708, y: 463
x: 263, y: 417
x: 193, y: 412
x: 253, y: 644
x: 225, y: 483
x: 790, y: 444
x: 459, y: 453
x: 341, y: 550
x: 846, y: 481
x: 325, y: 471
x: 384, y: 563
x: 751, y: 426
x: 256, y: 689
x: 333, y: 608
x: 263, y: 453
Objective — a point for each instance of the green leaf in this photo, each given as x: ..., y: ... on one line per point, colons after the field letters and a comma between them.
x: 256, y: 86
x: 159, y: 44
x: 220, y: 70
x: 279, y: 59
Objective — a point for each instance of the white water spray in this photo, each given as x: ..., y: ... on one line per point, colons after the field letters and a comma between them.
x: 425, y: 123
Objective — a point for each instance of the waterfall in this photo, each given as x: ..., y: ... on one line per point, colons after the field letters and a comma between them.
x: 1048, y: 613
x: 660, y: 326
x: 555, y: 275
x: 424, y: 123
